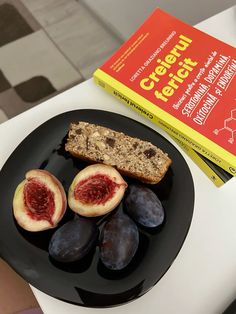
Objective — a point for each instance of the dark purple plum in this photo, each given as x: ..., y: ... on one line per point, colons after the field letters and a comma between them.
x: 118, y: 242
x: 73, y: 240
x: 144, y: 206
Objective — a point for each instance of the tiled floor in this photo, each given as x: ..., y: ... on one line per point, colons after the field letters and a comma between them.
x: 45, y: 48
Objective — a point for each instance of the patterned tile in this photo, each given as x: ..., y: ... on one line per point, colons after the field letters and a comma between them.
x: 47, y: 47
x: 4, y: 84
x: 83, y: 39
x: 32, y: 68
x: 12, y: 24
x: 3, y: 116
x: 11, y: 104
x: 23, y: 12
x: 34, y: 89
x: 35, y: 55
x: 51, y: 11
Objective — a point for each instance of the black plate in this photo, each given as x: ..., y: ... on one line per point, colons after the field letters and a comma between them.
x: 88, y: 282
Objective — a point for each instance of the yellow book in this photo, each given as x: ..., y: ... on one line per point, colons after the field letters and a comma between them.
x: 217, y: 175
x: 181, y: 79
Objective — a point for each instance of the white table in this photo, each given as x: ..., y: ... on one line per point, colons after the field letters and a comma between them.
x: 202, y: 277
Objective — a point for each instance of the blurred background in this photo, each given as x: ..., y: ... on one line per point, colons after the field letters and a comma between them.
x: 48, y: 46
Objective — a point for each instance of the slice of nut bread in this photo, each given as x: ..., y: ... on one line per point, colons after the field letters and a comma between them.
x: 129, y: 155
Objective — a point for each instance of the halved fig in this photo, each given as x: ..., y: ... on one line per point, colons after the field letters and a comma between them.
x: 39, y: 201
x: 96, y: 190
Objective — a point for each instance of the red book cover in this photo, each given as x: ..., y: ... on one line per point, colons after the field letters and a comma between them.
x: 182, y: 79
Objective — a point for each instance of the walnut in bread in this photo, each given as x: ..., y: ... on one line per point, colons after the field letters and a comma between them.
x: 129, y: 155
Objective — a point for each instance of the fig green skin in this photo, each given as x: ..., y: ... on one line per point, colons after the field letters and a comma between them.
x: 73, y: 240
x: 118, y: 242
x: 144, y: 206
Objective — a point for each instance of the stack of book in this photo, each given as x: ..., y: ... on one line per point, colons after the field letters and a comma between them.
x: 183, y: 80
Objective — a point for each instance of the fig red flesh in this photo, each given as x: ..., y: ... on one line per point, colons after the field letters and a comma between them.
x: 39, y: 200
x: 95, y: 189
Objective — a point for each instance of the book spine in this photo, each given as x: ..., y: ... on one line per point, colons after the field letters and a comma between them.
x: 200, y: 162
x: 216, y: 159
x: 172, y: 131
x: 189, y: 151
x: 126, y: 100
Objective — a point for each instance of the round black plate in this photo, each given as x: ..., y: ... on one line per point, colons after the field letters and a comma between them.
x: 88, y: 282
